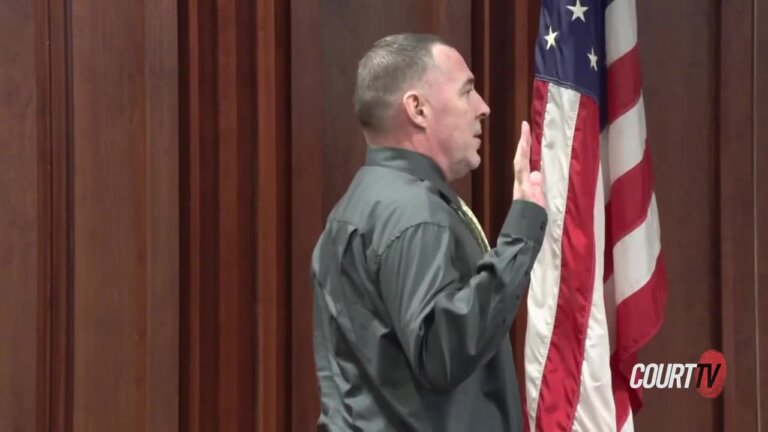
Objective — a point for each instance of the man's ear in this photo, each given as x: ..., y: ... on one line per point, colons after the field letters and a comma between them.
x: 416, y: 108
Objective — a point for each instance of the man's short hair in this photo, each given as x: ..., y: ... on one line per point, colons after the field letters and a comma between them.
x: 386, y: 69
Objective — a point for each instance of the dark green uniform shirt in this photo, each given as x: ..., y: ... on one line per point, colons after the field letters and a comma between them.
x: 411, y: 311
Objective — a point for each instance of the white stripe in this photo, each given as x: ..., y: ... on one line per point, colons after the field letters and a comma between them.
x: 634, y: 256
x: 596, y: 410
x: 609, y: 295
x: 620, y: 29
x: 626, y: 141
x: 629, y: 425
x: 556, y: 145
x: 605, y: 164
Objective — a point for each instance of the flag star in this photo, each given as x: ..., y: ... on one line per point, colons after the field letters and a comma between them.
x: 592, y: 59
x: 578, y: 11
x: 551, y: 38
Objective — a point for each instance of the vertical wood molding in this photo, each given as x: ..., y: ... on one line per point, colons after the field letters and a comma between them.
x: 272, y: 198
x: 761, y: 205
x: 33, y: 220
x: 199, y: 385
x: 59, y: 116
x: 218, y: 187
x: 43, y: 373
x: 482, y: 183
x: 503, y: 55
x: 737, y: 203
x: 307, y: 164
x: 235, y: 140
x: 162, y: 216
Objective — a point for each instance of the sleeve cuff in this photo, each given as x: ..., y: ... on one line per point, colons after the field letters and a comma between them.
x: 527, y: 220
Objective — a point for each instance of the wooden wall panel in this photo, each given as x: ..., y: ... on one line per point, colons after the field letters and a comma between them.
x: 161, y: 88
x: 56, y: 316
x: 504, y: 34
x: 24, y: 248
x: 504, y: 59
x: 218, y: 223
x: 235, y: 142
x: 308, y: 168
x: 125, y: 201
x: 199, y: 217
x: 272, y: 218
x: 737, y: 215
x: 682, y: 116
x: 760, y: 149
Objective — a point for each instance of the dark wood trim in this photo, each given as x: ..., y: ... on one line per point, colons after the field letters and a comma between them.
x: 272, y: 211
x: 199, y: 379
x: 737, y: 224
x: 503, y: 59
x: 482, y: 184
x: 308, y: 206
x: 235, y: 112
x: 60, y: 325
x: 161, y: 219
x: 760, y: 146
x: 44, y: 217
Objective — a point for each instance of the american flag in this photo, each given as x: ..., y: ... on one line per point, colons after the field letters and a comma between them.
x: 598, y: 288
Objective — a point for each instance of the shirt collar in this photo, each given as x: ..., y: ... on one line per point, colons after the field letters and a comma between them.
x: 412, y: 163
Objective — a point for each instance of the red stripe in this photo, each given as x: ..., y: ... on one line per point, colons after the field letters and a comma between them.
x: 638, y: 319
x: 537, y: 124
x: 630, y: 198
x: 540, y: 89
x: 559, y: 391
x: 621, y: 391
x: 623, y: 84
x: 607, y: 258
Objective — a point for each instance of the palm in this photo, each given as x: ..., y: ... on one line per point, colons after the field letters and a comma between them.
x: 528, y: 185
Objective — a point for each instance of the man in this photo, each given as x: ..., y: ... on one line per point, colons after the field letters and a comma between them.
x: 412, y: 310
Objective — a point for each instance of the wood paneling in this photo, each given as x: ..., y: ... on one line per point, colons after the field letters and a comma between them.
x: 24, y: 250
x: 235, y: 143
x: 34, y: 332
x: 737, y: 216
x: 90, y: 276
x: 507, y: 70
x: 760, y: 149
x: 682, y: 132
x: 125, y: 215
x: 199, y: 217
x: 218, y: 205
x: 308, y: 168
x: 272, y: 199
x: 57, y: 314
x: 161, y: 215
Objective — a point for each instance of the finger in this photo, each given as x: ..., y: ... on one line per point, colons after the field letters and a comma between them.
x: 523, y: 153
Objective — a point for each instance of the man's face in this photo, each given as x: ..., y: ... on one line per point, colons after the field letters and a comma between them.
x: 454, y: 127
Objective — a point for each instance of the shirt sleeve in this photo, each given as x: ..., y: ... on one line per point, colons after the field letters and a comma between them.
x: 450, y: 323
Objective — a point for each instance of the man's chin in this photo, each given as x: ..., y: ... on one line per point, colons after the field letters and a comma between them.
x: 474, y: 162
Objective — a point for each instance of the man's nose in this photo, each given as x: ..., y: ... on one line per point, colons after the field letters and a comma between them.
x: 485, y: 110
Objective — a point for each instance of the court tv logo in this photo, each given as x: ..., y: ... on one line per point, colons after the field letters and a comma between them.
x: 707, y: 375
